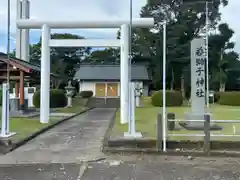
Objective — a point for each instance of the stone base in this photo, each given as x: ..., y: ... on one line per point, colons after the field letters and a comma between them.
x: 14, y: 104
x: 133, y: 135
x: 197, y: 126
x: 24, y: 113
x: 7, y: 135
x: 194, y: 116
x: 200, y: 127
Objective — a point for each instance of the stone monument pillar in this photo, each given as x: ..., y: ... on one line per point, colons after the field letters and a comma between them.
x: 198, y: 58
x: 70, y: 92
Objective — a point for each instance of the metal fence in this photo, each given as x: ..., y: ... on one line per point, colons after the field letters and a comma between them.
x: 164, y: 128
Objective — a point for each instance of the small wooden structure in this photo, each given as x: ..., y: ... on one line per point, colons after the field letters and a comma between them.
x: 19, y: 72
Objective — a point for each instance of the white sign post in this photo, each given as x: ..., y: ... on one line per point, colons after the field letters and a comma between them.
x: 5, y: 113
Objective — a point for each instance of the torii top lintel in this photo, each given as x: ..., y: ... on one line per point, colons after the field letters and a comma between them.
x: 75, y: 24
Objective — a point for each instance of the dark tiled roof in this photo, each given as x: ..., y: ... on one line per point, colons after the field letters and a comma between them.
x: 109, y: 72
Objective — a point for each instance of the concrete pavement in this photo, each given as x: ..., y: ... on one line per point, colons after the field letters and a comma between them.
x: 162, y: 170
x: 75, y: 140
x: 58, y: 154
x: 130, y: 168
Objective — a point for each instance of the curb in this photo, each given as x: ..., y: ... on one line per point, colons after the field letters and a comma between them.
x: 108, y: 131
x: 152, y: 151
x: 41, y: 131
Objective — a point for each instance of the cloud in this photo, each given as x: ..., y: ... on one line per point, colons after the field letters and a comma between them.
x: 3, y: 49
x: 95, y: 9
x: 91, y: 9
x: 63, y: 9
x: 230, y: 15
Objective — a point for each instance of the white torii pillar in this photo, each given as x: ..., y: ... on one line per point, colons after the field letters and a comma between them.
x: 70, y: 24
x: 124, y: 74
x: 22, y: 35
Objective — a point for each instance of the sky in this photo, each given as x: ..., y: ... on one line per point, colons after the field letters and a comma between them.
x: 92, y: 9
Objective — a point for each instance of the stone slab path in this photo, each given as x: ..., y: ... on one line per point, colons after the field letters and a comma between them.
x: 73, y: 141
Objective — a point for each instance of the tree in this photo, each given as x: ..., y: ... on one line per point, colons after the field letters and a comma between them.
x: 63, y: 60
x: 221, y: 55
x: 105, y: 56
x: 185, y: 20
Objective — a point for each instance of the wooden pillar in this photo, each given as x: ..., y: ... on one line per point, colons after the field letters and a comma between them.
x: 22, y: 90
x: 17, y: 89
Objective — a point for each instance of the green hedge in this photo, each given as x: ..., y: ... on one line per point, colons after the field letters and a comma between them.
x: 57, y: 98
x: 173, y: 98
x: 216, y: 97
x: 86, y: 94
x: 229, y: 98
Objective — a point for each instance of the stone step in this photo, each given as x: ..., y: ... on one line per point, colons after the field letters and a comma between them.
x: 104, y: 103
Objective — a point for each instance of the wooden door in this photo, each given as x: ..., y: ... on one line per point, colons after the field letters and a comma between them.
x: 112, y: 89
x: 100, y: 89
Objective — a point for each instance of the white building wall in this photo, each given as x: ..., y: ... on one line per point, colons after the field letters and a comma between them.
x: 90, y: 86
x: 27, y: 95
x: 87, y: 86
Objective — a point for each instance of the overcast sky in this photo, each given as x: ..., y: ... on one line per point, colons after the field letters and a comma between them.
x: 92, y: 9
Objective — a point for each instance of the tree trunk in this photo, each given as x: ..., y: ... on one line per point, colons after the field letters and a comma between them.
x: 182, y: 86
x: 222, y: 84
x: 172, y: 81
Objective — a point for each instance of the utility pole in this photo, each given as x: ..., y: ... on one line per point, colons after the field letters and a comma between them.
x: 8, y: 40
x: 207, y: 68
x: 130, y: 63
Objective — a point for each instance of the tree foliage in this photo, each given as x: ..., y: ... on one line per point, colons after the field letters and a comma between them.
x: 185, y: 20
x: 63, y: 60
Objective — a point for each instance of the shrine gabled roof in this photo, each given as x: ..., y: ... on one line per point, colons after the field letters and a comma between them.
x: 20, y: 64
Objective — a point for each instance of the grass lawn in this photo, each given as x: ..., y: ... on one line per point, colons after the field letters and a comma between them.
x: 146, y: 121
x: 78, y: 104
x: 25, y: 127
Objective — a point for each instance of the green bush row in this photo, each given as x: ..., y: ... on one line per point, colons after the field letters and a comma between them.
x: 173, y: 98
x: 86, y: 94
x: 229, y: 98
x: 57, y: 98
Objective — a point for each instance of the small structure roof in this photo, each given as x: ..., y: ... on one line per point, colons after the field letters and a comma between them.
x: 109, y: 72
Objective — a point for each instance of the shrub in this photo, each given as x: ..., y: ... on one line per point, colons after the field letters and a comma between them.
x: 216, y: 97
x: 57, y: 98
x: 173, y: 98
x: 229, y: 98
x: 86, y: 94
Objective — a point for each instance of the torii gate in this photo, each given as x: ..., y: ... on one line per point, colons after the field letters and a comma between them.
x: 47, y: 42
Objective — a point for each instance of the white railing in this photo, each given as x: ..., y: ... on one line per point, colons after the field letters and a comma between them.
x: 217, y: 121
x: 203, y: 134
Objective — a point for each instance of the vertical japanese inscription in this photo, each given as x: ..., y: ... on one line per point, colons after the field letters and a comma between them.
x: 200, y: 72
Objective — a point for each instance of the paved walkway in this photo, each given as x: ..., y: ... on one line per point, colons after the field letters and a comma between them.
x: 77, y: 139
